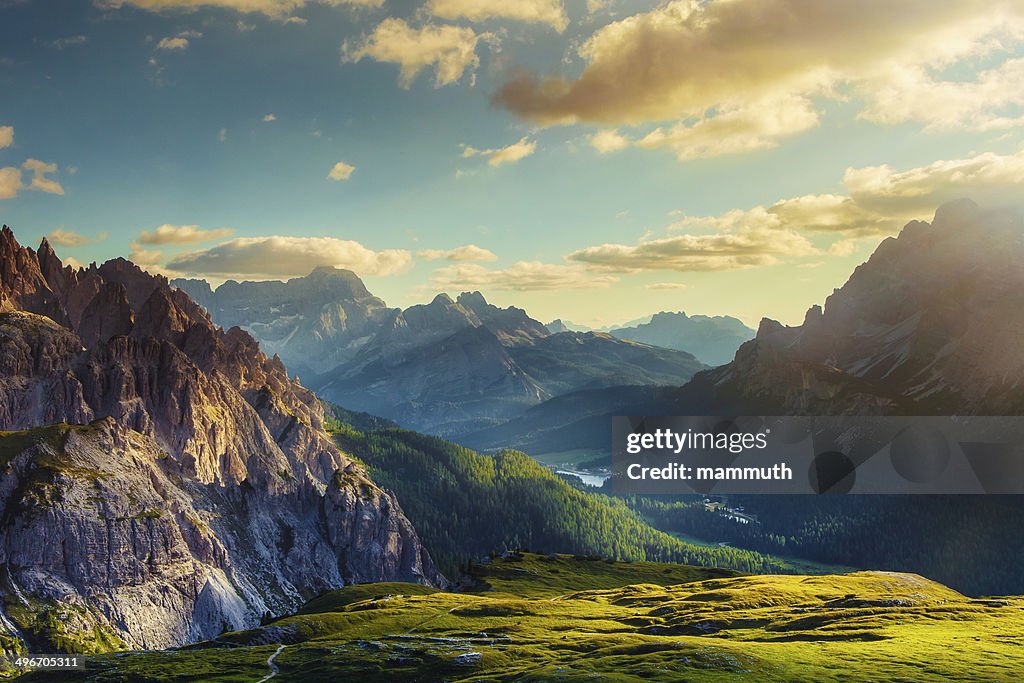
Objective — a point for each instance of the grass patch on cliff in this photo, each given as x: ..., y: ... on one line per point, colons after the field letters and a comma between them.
x: 865, y: 626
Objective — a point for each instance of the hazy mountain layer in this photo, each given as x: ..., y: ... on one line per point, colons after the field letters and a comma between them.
x: 448, y: 367
x: 713, y: 340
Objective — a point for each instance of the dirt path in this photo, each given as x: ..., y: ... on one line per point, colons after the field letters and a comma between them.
x: 273, y: 667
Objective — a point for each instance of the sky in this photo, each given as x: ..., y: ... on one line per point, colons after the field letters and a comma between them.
x: 590, y: 160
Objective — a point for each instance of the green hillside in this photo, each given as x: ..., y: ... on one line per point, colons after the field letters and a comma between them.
x: 539, y: 618
x: 465, y: 505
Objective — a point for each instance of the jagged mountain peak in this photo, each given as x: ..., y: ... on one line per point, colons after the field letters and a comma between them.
x: 217, y: 495
x: 933, y: 319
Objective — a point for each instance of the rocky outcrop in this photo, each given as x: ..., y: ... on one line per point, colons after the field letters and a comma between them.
x: 315, y: 322
x: 204, y: 492
x: 932, y: 323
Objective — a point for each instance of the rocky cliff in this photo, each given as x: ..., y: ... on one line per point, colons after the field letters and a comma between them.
x: 197, y: 490
x: 932, y: 323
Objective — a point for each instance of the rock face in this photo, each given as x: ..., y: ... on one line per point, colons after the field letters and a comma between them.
x: 713, y: 340
x: 932, y: 323
x: 315, y: 322
x: 202, y: 491
x: 448, y: 367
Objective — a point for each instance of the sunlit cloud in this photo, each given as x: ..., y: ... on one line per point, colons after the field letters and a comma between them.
x: 182, y: 234
x: 742, y: 75
x: 550, y: 12
x: 879, y: 202
x: 449, y: 50
x: 469, y: 252
x: 341, y: 171
x: 511, y: 154
x: 67, y: 238
x: 284, y: 256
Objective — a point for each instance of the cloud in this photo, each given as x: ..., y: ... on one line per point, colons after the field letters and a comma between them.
x: 656, y: 286
x: 178, y: 42
x: 40, y: 170
x: 740, y: 75
x: 608, y: 141
x: 62, y: 43
x: 222, y: 134
x: 182, y: 234
x: 6, y: 136
x: 987, y: 178
x: 469, y: 252
x: 144, y: 257
x: 748, y: 247
x: 341, y: 171
x: 450, y: 50
x: 686, y: 57
x: 278, y: 9
x: 990, y: 102
x: 515, y: 152
x: 283, y: 256
x: 732, y: 131
x: 550, y: 12
x: 522, y: 276
x: 10, y: 182
x: 67, y: 238
x: 879, y: 201
x: 269, y: 118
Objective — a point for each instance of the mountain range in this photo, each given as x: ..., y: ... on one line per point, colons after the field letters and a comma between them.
x: 931, y: 324
x: 163, y: 480
x: 449, y: 367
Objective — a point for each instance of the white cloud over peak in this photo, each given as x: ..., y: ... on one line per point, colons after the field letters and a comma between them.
x: 284, y: 256
x: 879, y: 201
x: 67, y: 238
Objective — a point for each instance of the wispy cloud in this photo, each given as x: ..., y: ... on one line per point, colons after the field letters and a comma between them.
x: 468, y: 252
x: 182, y: 234
x: 511, y: 154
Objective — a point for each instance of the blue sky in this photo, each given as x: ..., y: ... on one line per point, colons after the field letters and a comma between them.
x: 595, y: 161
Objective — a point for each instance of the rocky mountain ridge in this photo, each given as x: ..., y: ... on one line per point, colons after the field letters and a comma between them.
x: 447, y: 367
x: 200, y: 476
